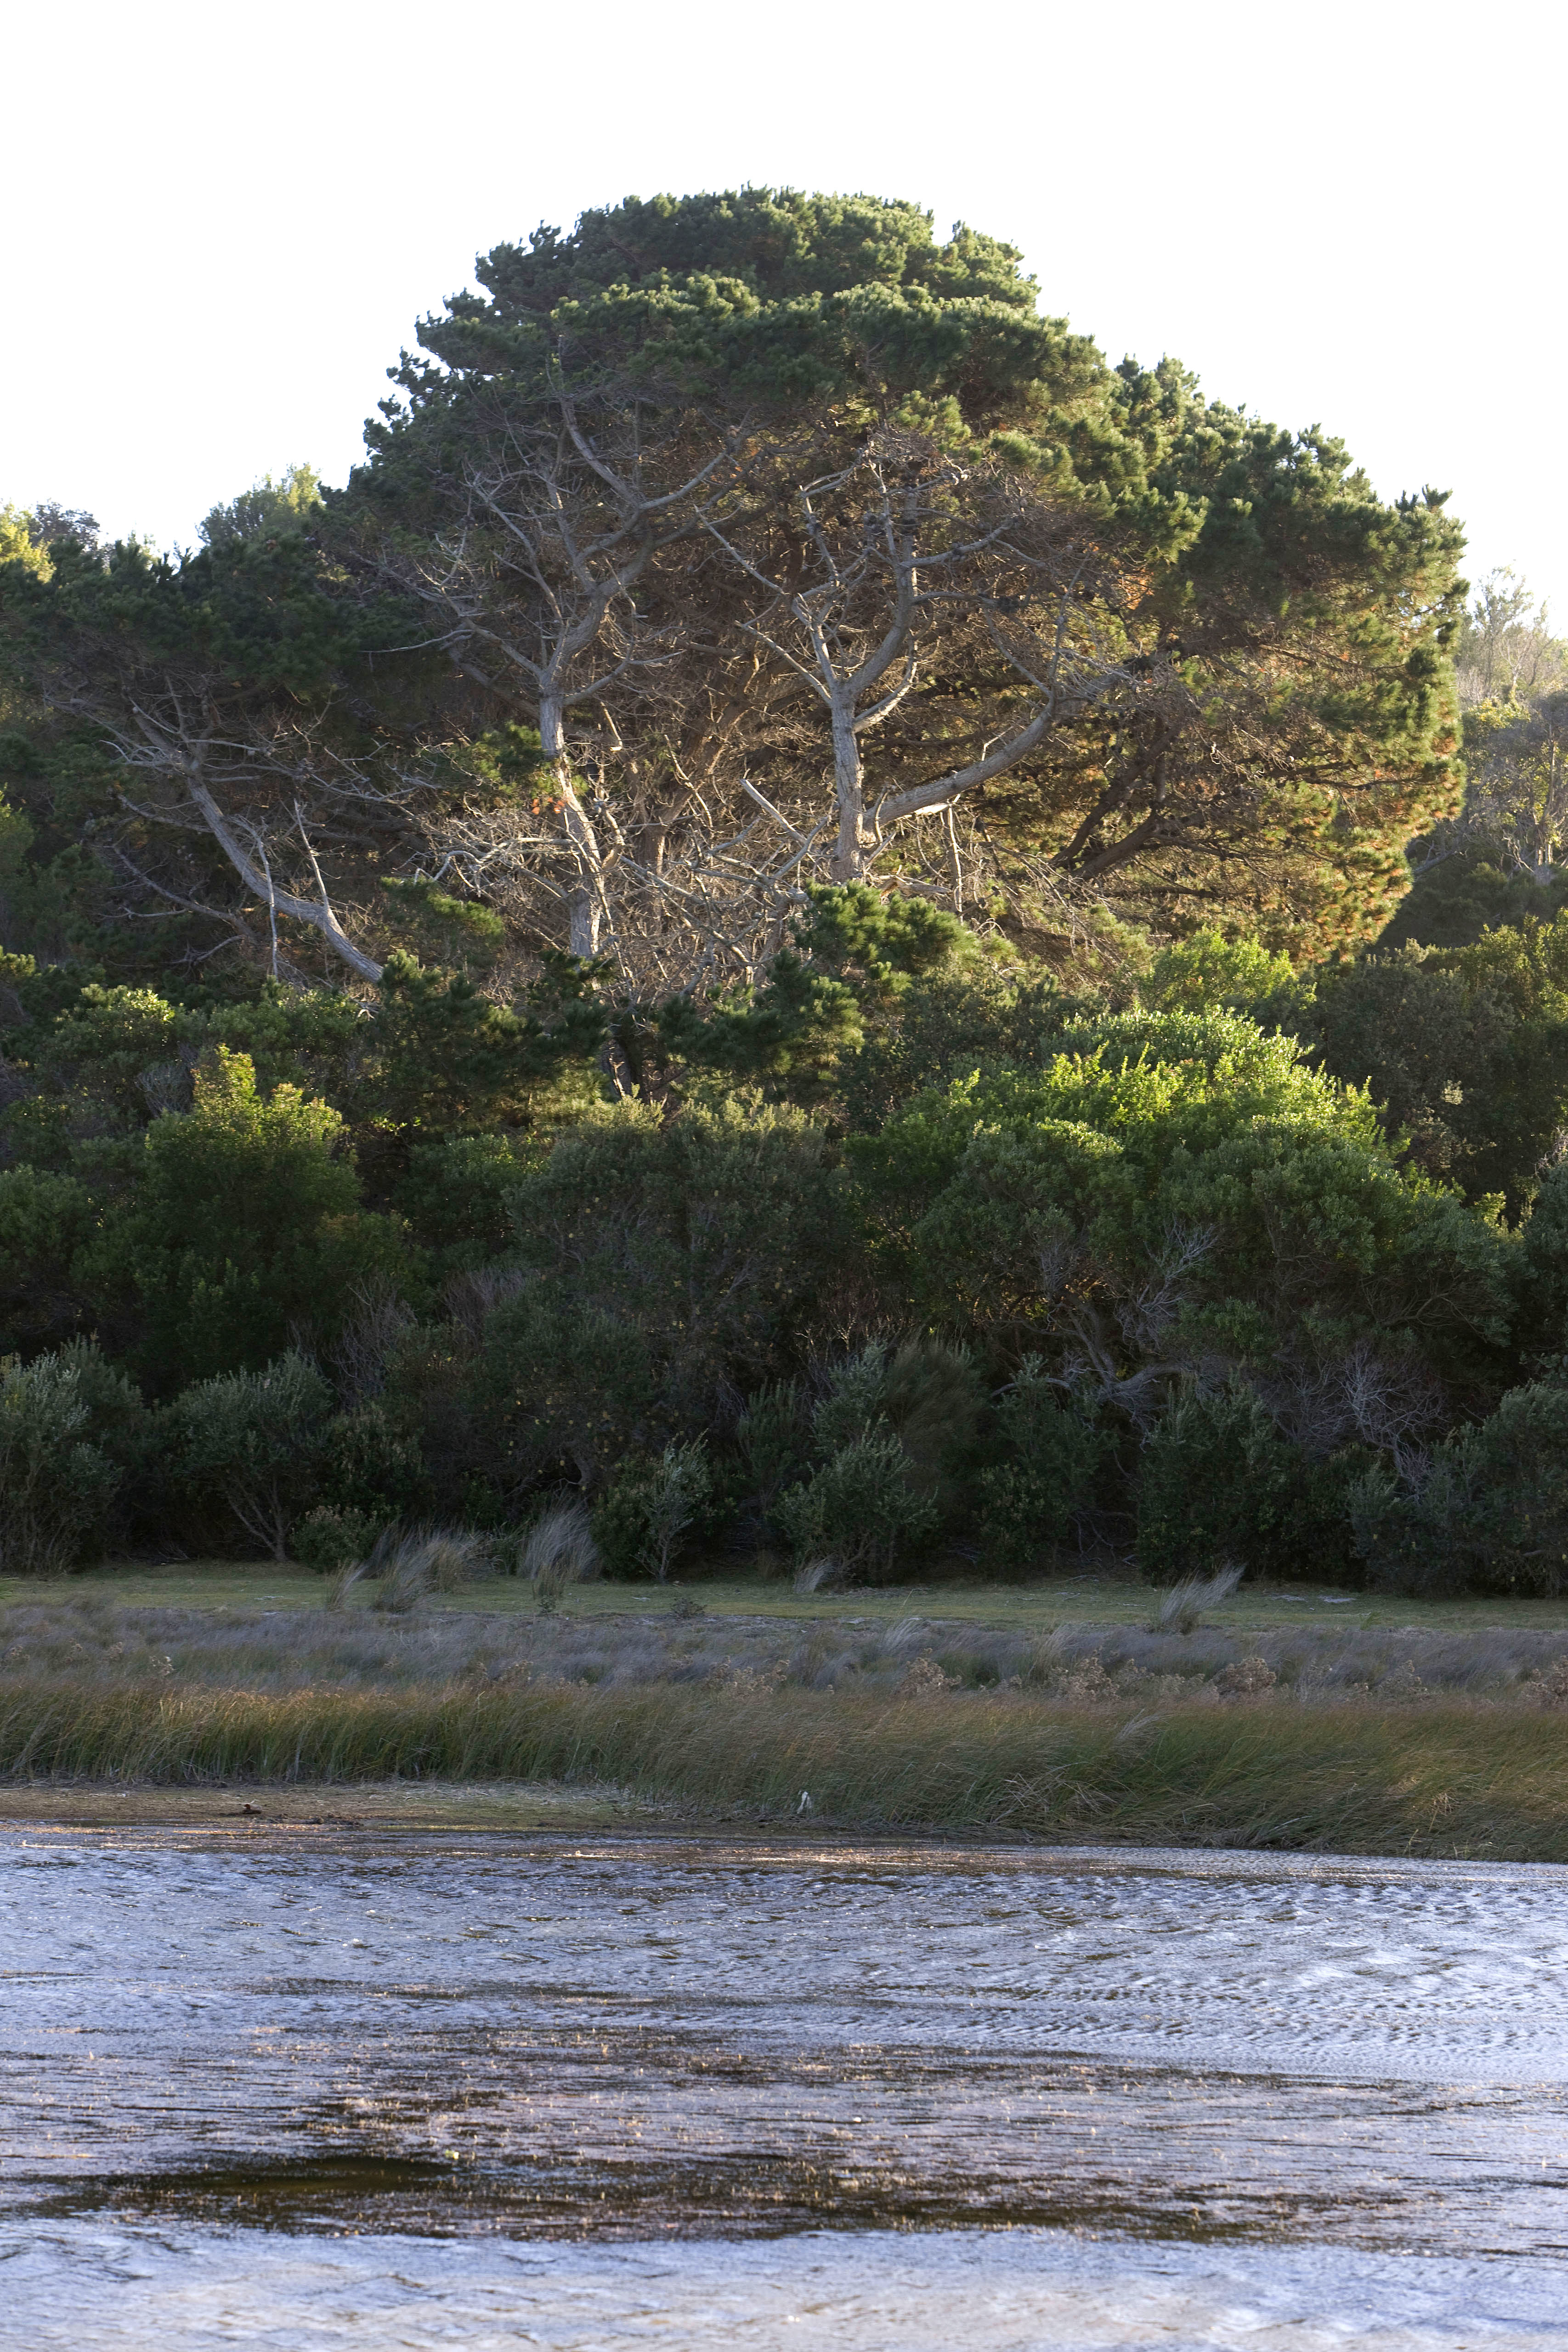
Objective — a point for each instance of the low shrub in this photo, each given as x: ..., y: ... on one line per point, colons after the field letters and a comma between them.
x: 1489, y: 1508
x: 372, y: 1468
x: 859, y: 1508
x: 327, y: 1538
x: 1032, y: 1500
x: 641, y: 1522
x: 56, y: 1486
x: 1217, y: 1480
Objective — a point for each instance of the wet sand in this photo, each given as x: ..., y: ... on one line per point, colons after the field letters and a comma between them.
x: 300, y: 1805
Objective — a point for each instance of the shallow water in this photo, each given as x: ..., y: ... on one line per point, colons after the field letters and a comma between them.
x: 313, y: 2088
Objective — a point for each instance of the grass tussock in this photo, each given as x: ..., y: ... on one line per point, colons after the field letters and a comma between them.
x: 1438, y: 1779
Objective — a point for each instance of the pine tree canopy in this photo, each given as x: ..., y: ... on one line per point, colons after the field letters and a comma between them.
x: 801, y: 546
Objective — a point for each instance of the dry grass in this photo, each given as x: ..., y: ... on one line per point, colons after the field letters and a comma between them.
x: 87, y: 1638
x: 1450, y: 1780
x: 1325, y: 1737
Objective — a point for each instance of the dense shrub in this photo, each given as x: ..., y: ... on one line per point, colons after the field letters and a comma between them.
x: 772, y: 1441
x: 1208, y: 971
x: 327, y: 1538
x: 860, y: 1508
x: 1053, y: 1453
x: 56, y: 1486
x: 1232, y: 1290
x: 1178, y: 1193
x: 372, y: 1468
x: 650, y: 1511
x: 254, y: 1441
x: 1488, y: 1508
x: 1219, y: 1483
x: 47, y: 1224
x: 246, y: 1226
x: 667, y: 1265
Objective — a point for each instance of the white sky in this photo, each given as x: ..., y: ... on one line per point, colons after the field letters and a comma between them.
x: 218, y: 223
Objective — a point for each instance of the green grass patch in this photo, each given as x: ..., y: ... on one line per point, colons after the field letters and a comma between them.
x: 1046, y: 1601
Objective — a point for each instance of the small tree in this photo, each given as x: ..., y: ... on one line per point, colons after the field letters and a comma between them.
x: 255, y: 1441
x: 55, y: 1486
x: 641, y: 1523
x: 1054, y: 1453
x: 859, y: 1507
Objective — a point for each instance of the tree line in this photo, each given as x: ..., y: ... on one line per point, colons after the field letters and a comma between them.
x: 796, y: 912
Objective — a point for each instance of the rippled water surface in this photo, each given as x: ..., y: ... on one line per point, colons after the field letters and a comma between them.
x: 317, y: 2088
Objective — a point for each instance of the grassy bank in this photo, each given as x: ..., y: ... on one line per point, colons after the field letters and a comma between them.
x: 1435, y: 1780
x: 228, y: 1584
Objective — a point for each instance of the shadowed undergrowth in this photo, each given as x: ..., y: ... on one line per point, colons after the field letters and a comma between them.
x: 1441, y: 1779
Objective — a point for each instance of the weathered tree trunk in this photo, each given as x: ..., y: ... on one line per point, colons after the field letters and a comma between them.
x: 849, y: 785
x: 585, y: 891
x: 317, y: 912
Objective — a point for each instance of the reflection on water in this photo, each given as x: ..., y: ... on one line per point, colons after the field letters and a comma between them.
x: 303, y: 2088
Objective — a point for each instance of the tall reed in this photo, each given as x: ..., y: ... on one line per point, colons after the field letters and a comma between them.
x: 1430, y: 1779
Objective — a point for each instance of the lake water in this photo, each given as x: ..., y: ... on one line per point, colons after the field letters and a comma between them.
x: 321, y: 2087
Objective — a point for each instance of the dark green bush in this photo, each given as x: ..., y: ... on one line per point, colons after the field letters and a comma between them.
x: 326, y: 1539
x: 648, y: 1513
x: 860, y: 1509
x: 772, y: 1441
x: 1218, y: 1483
x: 246, y: 1227
x: 1489, y: 1511
x: 665, y: 1268
x: 1054, y: 1453
x: 56, y: 1486
x: 254, y: 1441
x: 372, y: 1468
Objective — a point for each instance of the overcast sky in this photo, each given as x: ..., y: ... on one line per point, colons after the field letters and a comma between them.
x: 218, y: 223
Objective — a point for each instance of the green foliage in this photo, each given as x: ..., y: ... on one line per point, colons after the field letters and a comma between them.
x: 1177, y: 1191
x: 328, y: 1539
x: 57, y: 1487
x: 264, y: 511
x: 890, y: 1436
x: 645, y: 1514
x: 371, y: 1468
x: 859, y: 1508
x: 443, y: 1057
x: 1466, y: 891
x: 860, y: 956
x: 1488, y: 1510
x: 1466, y: 1052
x: 1053, y: 1455
x: 667, y: 1264
x: 773, y: 1438
x: 784, y: 296
x: 1213, y: 1248
x: 253, y: 1441
x: 246, y: 1226
x: 456, y: 1194
x: 460, y: 930
x: 1219, y: 1485
x: 45, y: 1223
x: 16, y: 542
x: 1209, y: 972
x: 975, y: 1017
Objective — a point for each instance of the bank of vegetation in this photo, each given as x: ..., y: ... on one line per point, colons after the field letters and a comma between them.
x: 1439, y: 1780
x: 807, y: 923
x: 1317, y: 1736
